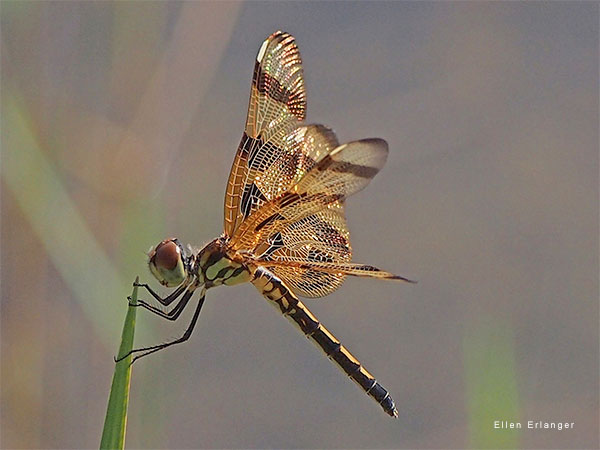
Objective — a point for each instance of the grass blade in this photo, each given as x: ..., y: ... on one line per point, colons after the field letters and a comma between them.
x: 115, y: 423
x: 491, y: 385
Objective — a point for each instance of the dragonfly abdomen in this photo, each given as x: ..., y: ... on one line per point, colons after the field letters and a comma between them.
x: 274, y: 290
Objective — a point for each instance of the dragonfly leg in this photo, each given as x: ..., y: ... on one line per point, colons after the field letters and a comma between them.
x: 154, y: 348
x: 169, y: 298
x: 174, y: 313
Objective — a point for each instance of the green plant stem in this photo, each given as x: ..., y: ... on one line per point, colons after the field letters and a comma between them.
x: 115, y: 423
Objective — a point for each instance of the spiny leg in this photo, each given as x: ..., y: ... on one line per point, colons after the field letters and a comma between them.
x: 185, y: 337
x: 169, y: 298
x: 175, y: 312
x: 275, y: 290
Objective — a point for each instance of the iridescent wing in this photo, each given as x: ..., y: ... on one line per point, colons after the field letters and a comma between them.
x: 339, y: 174
x: 320, y: 237
x: 276, y: 109
x: 301, y: 234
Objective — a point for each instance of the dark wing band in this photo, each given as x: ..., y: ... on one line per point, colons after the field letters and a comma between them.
x: 302, y: 234
x: 276, y: 109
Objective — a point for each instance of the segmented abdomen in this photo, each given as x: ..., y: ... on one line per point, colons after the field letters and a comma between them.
x: 274, y: 290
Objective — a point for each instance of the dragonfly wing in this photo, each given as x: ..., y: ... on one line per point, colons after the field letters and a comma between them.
x: 276, y: 109
x: 321, y: 237
x: 346, y: 170
x: 341, y: 173
x: 335, y: 268
x: 282, y: 168
x: 306, y: 225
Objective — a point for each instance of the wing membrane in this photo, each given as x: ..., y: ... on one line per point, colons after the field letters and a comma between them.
x: 340, y: 269
x: 343, y: 172
x: 347, y: 169
x: 284, y: 205
x: 302, y: 235
x: 319, y: 237
x: 276, y: 108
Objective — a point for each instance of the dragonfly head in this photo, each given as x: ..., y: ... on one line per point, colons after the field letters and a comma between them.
x: 168, y: 263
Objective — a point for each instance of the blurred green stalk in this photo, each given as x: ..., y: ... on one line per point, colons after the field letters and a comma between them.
x: 115, y: 423
x: 30, y: 176
x: 491, y: 386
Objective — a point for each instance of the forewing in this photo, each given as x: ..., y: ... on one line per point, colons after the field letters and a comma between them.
x: 302, y: 234
x: 346, y: 170
x: 277, y: 107
x: 337, y: 268
x: 341, y: 173
x: 282, y: 168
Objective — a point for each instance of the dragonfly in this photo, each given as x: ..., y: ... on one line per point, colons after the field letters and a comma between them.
x: 285, y: 229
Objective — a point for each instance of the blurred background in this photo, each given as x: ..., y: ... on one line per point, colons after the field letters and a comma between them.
x: 119, y: 125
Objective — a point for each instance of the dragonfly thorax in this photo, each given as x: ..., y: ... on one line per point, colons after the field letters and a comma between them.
x: 215, y: 266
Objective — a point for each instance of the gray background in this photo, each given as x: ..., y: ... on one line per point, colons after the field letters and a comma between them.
x: 119, y: 126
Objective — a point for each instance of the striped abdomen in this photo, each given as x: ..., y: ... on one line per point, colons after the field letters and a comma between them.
x: 290, y: 306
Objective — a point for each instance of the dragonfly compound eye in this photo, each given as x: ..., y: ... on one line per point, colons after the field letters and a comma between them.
x: 166, y: 263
